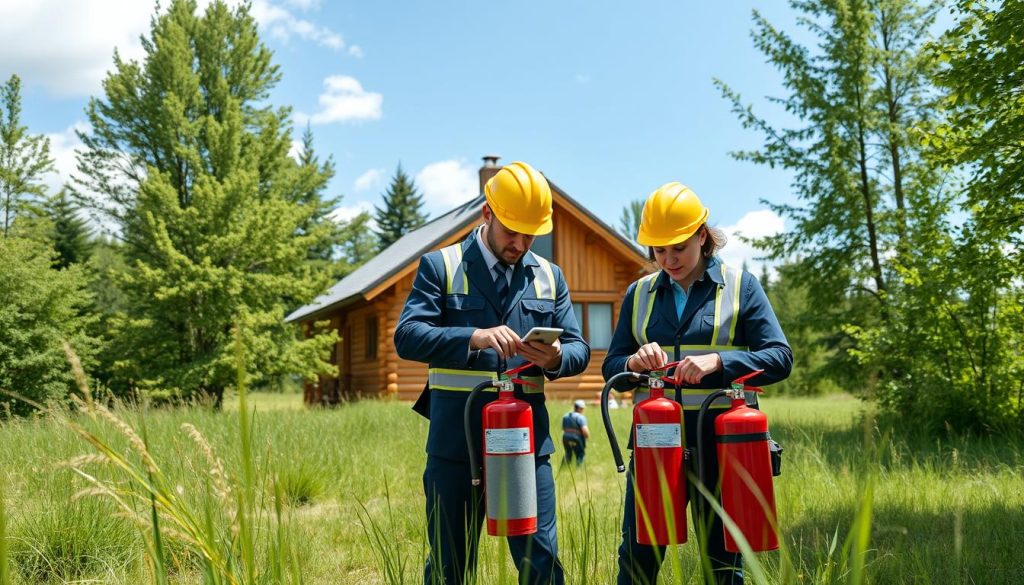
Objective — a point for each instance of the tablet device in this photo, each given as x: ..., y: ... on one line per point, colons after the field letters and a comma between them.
x: 546, y: 335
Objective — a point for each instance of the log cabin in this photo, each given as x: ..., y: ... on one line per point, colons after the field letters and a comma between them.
x: 599, y: 264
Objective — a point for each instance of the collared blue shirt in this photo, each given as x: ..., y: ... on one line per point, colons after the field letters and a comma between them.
x: 493, y: 264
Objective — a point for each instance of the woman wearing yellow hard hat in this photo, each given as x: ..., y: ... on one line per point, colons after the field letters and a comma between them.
x: 717, y: 321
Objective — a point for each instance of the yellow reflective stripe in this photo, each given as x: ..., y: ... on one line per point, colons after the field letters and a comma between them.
x: 453, y: 269
x: 695, y: 348
x: 447, y: 271
x: 650, y: 310
x: 637, y: 334
x: 544, y: 282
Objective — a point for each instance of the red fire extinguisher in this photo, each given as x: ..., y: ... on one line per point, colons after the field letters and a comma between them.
x: 746, y: 464
x: 659, y: 482
x: 510, y: 477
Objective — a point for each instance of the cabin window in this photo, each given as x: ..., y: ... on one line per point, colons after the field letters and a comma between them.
x: 371, y: 338
x: 595, y: 320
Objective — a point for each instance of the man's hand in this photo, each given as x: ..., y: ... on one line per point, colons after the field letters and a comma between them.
x: 649, y: 357
x: 694, y: 367
x: 501, y: 339
x: 546, y: 356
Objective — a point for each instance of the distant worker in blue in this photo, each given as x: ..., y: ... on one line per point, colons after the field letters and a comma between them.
x: 469, y: 307
x: 575, y: 433
x: 718, y: 321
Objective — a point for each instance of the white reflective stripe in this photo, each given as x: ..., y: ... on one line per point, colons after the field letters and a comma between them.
x: 692, y: 399
x: 727, y: 306
x: 643, y: 305
x: 544, y: 279
x: 455, y: 272
x: 466, y: 380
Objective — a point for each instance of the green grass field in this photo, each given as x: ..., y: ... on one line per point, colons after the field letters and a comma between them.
x: 943, y: 512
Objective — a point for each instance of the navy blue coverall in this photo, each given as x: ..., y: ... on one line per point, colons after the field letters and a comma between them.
x: 453, y: 295
x: 758, y: 343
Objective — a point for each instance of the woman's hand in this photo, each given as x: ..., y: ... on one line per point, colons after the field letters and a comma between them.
x: 693, y: 368
x: 648, y: 357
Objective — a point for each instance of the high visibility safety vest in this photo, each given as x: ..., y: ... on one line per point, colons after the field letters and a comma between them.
x: 727, y: 310
x: 457, y: 283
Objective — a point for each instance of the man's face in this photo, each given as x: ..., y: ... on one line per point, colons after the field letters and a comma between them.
x: 507, y: 245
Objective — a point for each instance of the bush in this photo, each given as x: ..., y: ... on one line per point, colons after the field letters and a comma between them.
x: 40, y: 308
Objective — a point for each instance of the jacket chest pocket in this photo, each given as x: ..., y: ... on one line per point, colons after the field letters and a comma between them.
x: 463, y: 310
x: 707, y: 324
x: 538, y: 312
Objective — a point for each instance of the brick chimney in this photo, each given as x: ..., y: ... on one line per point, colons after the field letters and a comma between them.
x: 490, y: 168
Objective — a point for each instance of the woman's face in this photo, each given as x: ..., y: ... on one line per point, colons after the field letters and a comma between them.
x: 682, y: 259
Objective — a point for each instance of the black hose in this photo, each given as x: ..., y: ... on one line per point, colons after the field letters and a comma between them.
x: 616, y: 453
x: 467, y: 413
x: 700, y: 434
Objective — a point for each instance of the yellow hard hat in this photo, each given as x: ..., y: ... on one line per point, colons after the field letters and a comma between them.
x: 520, y: 198
x: 671, y: 214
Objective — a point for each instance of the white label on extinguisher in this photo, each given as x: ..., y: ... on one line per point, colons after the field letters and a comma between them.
x: 658, y: 435
x: 505, y: 441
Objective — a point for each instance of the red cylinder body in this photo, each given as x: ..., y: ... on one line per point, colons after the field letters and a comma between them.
x: 659, y: 485
x: 745, y: 472
x: 510, y: 476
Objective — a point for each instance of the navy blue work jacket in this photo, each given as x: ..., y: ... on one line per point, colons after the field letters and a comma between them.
x: 435, y: 328
x: 757, y: 329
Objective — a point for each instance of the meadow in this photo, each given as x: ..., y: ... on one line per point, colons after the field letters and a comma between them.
x: 341, y: 488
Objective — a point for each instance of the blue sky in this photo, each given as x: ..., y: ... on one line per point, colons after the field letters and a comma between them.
x: 609, y: 99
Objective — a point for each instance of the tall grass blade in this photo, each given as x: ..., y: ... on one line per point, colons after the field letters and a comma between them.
x: 5, y: 575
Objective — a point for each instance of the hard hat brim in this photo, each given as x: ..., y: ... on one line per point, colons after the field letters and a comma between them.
x: 677, y: 237
x: 529, y: 229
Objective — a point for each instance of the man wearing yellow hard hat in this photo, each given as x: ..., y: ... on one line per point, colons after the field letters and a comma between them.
x: 468, y: 309
x: 717, y: 320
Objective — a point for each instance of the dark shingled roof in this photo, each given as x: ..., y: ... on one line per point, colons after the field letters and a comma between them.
x: 409, y: 248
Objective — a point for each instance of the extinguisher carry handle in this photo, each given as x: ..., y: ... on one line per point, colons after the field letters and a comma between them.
x: 467, y: 417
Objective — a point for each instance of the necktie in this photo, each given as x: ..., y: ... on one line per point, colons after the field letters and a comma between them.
x: 501, y: 283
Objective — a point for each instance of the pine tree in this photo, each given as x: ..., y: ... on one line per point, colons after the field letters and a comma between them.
x: 70, y: 233
x: 221, y: 228
x: 24, y: 160
x: 629, y: 222
x: 402, y: 211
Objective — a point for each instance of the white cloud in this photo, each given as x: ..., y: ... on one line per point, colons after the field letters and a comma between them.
x: 344, y: 100
x: 447, y: 183
x: 369, y: 179
x: 66, y: 46
x: 581, y: 78
x: 755, y: 224
x: 63, y: 147
x: 303, y: 4
x: 356, y: 51
x: 347, y: 212
x: 282, y: 24
x: 295, y: 150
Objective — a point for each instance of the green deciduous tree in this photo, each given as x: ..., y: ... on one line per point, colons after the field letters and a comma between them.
x: 872, y: 238
x: 402, y: 211
x: 40, y: 309
x: 220, y: 225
